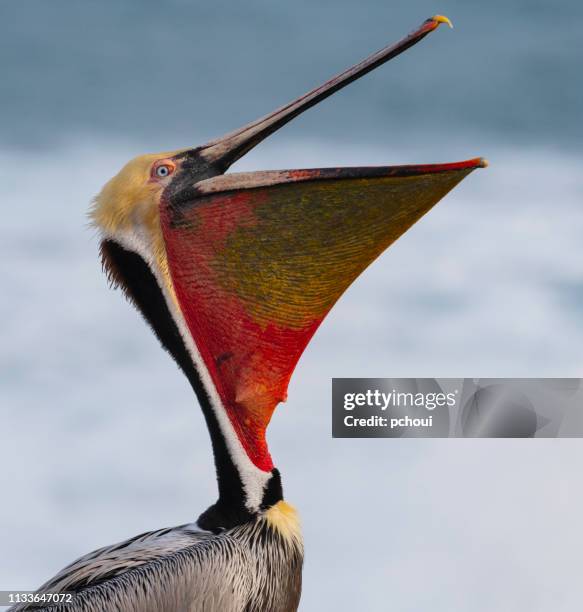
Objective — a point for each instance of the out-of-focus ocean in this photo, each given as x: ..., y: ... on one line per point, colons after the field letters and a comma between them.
x: 101, y: 436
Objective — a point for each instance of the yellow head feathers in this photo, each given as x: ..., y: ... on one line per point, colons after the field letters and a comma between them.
x: 127, y: 209
x: 131, y: 196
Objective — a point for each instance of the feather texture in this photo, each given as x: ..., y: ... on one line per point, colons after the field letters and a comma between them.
x: 251, y: 568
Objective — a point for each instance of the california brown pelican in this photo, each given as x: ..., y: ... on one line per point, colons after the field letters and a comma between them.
x: 234, y: 273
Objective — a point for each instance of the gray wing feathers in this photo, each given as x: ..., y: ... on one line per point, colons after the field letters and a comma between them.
x: 246, y: 569
x: 105, y: 563
x: 167, y: 570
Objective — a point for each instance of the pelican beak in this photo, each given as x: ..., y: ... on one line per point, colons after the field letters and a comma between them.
x: 258, y: 259
x: 223, y: 152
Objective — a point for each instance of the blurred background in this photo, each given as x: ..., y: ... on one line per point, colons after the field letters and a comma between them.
x: 102, y: 437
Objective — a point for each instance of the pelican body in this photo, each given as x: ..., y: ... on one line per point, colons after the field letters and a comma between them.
x: 234, y: 273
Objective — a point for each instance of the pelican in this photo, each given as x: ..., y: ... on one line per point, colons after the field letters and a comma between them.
x: 234, y: 273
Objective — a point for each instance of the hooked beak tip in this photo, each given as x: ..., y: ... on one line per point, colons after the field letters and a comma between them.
x: 437, y: 19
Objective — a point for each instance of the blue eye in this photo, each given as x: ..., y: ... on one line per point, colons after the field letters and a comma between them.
x: 163, y: 171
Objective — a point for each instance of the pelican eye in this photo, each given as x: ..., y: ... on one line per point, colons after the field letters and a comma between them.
x: 163, y: 170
